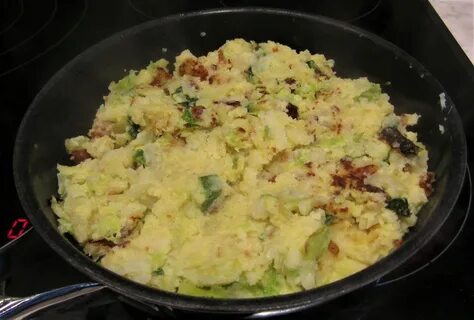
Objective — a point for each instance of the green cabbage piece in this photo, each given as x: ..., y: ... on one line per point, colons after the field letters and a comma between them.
x: 317, y: 243
x: 371, y: 94
x: 212, y: 189
x: 109, y: 227
x: 124, y: 86
x: 139, y: 158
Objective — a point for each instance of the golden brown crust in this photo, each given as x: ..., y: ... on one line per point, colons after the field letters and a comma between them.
x: 161, y: 77
x: 80, y: 155
x: 101, y: 128
x: 193, y: 68
x: 353, y: 177
x: 426, y: 182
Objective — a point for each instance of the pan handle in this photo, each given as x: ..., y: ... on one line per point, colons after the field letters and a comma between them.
x: 22, y: 308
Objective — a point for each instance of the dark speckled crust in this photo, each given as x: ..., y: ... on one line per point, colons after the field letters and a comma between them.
x: 398, y: 141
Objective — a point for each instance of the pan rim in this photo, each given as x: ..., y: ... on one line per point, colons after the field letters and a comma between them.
x: 292, y: 301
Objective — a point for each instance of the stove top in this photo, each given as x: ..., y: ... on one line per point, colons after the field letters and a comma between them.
x: 36, y: 39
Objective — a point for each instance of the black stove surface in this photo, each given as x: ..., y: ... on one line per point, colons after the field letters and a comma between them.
x: 38, y: 38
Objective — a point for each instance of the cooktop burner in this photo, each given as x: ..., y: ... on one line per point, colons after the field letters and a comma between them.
x: 338, y: 9
x: 38, y: 38
x: 34, y: 31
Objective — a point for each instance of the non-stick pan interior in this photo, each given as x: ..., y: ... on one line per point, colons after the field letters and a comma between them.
x: 67, y: 104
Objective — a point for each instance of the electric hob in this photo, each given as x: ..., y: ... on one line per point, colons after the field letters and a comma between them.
x: 38, y: 37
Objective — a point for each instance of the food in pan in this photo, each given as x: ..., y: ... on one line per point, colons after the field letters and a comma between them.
x: 251, y: 171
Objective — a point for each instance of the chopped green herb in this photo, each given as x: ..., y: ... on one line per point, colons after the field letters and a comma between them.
x: 98, y: 259
x: 139, y: 158
x: 212, y: 190
x: 249, y: 75
x: 262, y: 236
x: 178, y: 90
x: 399, y: 206
x: 251, y: 108
x: 312, y: 65
x: 371, y: 94
x: 189, y: 102
x: 329, y: 219
x: 188, y: 117
x: 133, y: 128
x: 159, y: 272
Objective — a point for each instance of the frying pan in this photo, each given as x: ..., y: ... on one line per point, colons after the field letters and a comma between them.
x: 66, y: 106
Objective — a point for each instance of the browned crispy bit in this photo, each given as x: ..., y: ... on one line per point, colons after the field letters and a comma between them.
x: 346, y: 163
x: 407, y: 167
x: 80, y: 155
x: 193, y: 68
x: 364, y: 171
x: 371, y: 188
x: 233, y: 103
x: 220, y: 57
x: 106, y: 245
x: 337, y: 127
x: 160, y: 77
x: 197, y: 111
x: 308, y: 165
x: 214, y: 121
x: 100, y: 129
x: 333, y: 248
x: 397, y: 243
x: 310, y: 174
x: 426, y: 183
x: 339, y: 181
x: 103, y: 242
x: 212, y: 79
x: 372, y: 228
x: 353, y: 177
x: 290, y: 81
x: 272, y: 178
x: 128, y: 229
x: 281, y: 156
x: 292, y: 111
x: 336, y: 209
x: 397, y: 141
x: 178, y: 140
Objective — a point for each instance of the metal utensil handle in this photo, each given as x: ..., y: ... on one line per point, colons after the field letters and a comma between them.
x: 21, y: 308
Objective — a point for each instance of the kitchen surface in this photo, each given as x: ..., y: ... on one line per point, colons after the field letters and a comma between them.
x: 37, y: 38
x: 458, y: 15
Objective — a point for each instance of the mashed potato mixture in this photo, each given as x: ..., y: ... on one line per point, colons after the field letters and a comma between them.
x: 251, y: 171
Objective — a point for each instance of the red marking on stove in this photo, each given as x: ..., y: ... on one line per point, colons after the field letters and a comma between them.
x: 18, y: 228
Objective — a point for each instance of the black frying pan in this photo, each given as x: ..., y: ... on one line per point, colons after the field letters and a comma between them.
x: 66, y: 106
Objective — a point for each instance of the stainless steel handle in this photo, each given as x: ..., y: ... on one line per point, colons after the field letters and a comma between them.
x: 21, y: 308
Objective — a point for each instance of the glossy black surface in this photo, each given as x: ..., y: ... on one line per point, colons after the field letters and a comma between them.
x: 78, y: 24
